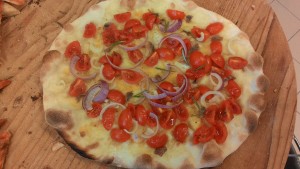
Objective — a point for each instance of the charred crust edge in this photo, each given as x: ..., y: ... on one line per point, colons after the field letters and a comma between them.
x: 79, y: 150
x: 144, y: 161
x: 58, y: 119
x: 263, y: 83
x: 212, y: 155
x: 251, y: 121
x: 257, y: 102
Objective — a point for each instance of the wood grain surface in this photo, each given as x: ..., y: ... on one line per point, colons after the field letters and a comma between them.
x: 26, y: 38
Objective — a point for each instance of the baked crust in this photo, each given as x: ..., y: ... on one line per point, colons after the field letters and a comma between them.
x: 212, y: 154
x: 257, y: 102
x: 59, y: 119
x: 251, y: 121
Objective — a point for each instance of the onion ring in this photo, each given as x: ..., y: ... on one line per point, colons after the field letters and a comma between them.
x: 178, y: 38
x: 135, y: 47
x: 110, y: 105
x: 203, y: 97
x: 220, y: 83
x: 96, y: 93
x: 174, y: 26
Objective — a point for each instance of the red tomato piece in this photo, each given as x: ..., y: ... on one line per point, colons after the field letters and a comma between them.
x: 181, y: 112
x: 218, y: 60
x: 83, y: 64
x: 210, y: 114
x: 179, y: 79
x: 188, y: 43
x: 125, y: 120
x: 131, y: 23
x: 110, y: 34
x: 108, y: 72
x: 201, y: 90
x: 237, y: 62
x: 125, y: 37
x: 175, y: 14
x: 131, y: 76
x: 116, y: 96
x: 135, y: 56
x: 221, y: 133
x: 215, y: 28
x: 119, y: 135
x: 73, y: 49
x: 235, y: 107
x: 171, y: 43
x: 216, y: 47
x: 167, y: 86
x: 141, y: 115
x: 203, y: 134
x: 181, y: 132
x: 167, y: 119
x: 95, y: 112
x: 196, y: 32
x: 90, y: 30
x: 152, y: 60
x: 139, y: 31
x: 157, y: 141
x: 233, y: 89
x: 150, y: 21
x: 225, y: 112
x: 197, y: 59
x: 116, y: 58
x: 77, y: 88
x: 108, y: 118
x: 165, y: 54
x: 188, y: 96
x: 147, y: 15
x: 122, y: 17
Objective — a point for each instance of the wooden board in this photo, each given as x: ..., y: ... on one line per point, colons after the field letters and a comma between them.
x: 26, y: 38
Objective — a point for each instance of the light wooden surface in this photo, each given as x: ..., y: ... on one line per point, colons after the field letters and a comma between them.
x: 26, y: 38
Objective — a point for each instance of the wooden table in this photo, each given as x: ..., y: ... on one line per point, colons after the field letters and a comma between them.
x: 26, y: 38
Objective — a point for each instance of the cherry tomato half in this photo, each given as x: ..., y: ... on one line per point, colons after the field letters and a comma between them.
x: 73, y: 49
x: 181, y: 132
x: 233, y: 89
x: 181, y: 112
x: 175, y: 14
x: 108, y: 71
x: 157, y: 141
x: 119, y: 135
x: 116, y: 96
x: 210, y: 114
x: 216, y: 47
x: 135, y: 56
x: 131, y: 76
x: 125, y: 120
x: 83, y: 64
x: 221, y: 133
x: 218, y: 60
x: 167, y: 119
x: 90, y: 30
x: 122, y: 17
x: 237, y: 62
x: 165, y: 53
x: 196, y: 32
x: 95, y: 112
x: 197, y: 59
x: 152, y: 60
x: 215, y: 28
x: 141, y: 115
x: 203, y: 134
x: 77, y: 88
x: 108, y: 118
x: 131, y: 23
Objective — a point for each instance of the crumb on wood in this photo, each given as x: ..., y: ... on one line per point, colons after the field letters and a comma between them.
x: 17, y: 101
x: 275, y: 90
x: 29, y: 132
x: 57, y: 146
x: 253, y: 7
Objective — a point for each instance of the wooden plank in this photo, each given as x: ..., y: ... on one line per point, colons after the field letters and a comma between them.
x: 26, y: 38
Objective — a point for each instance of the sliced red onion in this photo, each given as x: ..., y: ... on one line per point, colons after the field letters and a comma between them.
x: 201, y: 38
x: 218, y: 85
x: 102, y: 95
x: 185, y: 84
x: 156, y: 128
x: 176, y: 37
x: 203, y: 97
x: 113, y: 104
x: 135, y: 127
x: 154, y: 97
x: 73, y: 62
x: 168, y: 71
x: 127, y: 48
x: 96, y: 93
x: 119, y: 68
x: 174, y: 26
x: 164, y: 106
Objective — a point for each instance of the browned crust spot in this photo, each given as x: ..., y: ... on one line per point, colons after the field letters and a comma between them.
x: 80, y: 150
x: 257, y: 102
x: 59, y: 119
x: 160, y: 166
x: 49, y: 57
x: 255, y: 61
x: 68, y: 27
x: 187, y: 164
x: 107, y: 160
x: 144, y: 161
x: 131, y: 4
x: 263, y: 83
x: 211, y: 153
x: 92, y: 146
x: 251, y: 120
